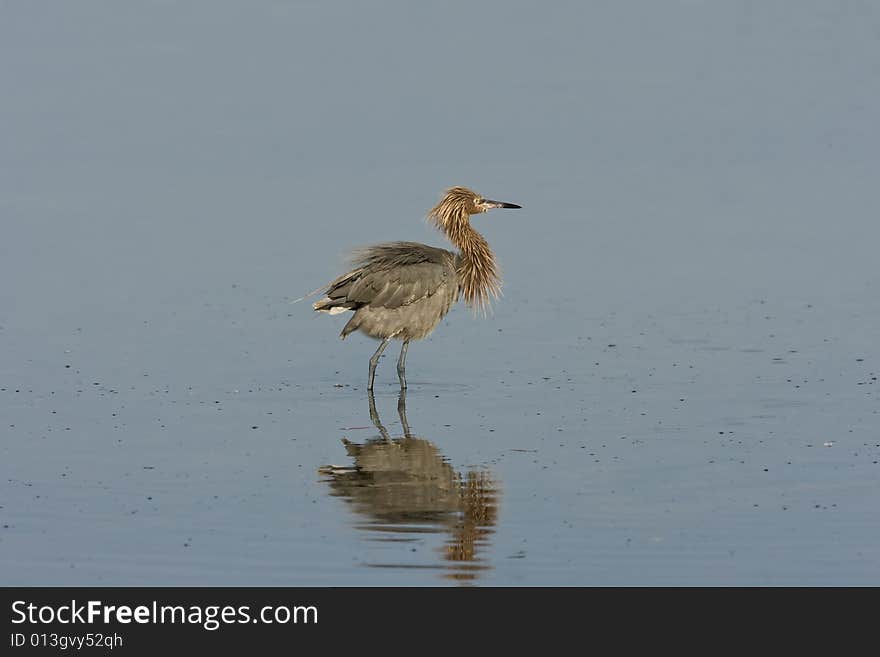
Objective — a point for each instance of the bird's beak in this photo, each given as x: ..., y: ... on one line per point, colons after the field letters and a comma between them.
x: 500, y: 204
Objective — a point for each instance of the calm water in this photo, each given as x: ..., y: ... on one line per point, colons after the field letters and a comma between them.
x: 679, y: 385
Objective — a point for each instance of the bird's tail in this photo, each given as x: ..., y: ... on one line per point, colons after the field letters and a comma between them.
x: 332, y: 306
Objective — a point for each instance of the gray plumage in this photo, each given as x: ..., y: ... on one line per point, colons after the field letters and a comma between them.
x: 397, y: 290
x: 402, y: 290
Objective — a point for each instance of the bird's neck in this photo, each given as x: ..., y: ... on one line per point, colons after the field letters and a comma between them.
x: 477, y: 270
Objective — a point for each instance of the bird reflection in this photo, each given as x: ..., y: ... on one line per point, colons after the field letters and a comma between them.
x: 404, y: 486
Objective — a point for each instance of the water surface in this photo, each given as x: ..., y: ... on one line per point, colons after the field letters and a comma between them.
x: 679, y: 385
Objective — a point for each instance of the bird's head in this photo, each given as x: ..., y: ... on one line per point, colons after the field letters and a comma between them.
x: 459, y: 203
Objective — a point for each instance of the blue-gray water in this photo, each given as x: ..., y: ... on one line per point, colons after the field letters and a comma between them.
x: 679, y: 385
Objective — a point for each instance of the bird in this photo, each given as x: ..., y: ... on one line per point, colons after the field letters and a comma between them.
x: 401, y: 290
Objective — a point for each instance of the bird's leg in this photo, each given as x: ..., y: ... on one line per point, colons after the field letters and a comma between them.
x: 401, y: 411
x: 375, y: 360
x: 401, y: 365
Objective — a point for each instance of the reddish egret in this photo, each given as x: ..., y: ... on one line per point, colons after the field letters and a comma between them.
x: 403, y: 289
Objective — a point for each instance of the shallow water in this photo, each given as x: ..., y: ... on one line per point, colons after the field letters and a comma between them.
x: 679, y: 385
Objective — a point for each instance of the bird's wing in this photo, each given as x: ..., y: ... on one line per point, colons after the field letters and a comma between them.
x: 394, y: 275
